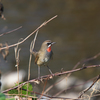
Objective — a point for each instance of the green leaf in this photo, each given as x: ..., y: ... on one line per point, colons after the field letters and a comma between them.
x: 10, y: 99
x: 24, y: 92
x: 2, y: 96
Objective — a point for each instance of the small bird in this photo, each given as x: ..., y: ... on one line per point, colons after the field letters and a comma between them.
x: 43, y: 55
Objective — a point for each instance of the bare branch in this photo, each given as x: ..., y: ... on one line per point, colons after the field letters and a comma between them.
x: 31, y: 49
x: 48, y: 97
x: 57, y: 94
x: 86, y: 60
x: 89, y: 87
x: 17, y: 50
x: 49, y: 76
x: 11, y: 31
x: 30, y: 34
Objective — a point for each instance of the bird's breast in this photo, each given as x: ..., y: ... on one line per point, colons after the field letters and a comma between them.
x: 44, y: 58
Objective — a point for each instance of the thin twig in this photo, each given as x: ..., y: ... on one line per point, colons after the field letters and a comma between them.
x: 17, y: 62
x: 57, y: 94
x: 83, y: 61
x: 11, y: 31
x: 30, y: 34
x: 89, y: 87
x: 31, y: 49
x: 48, y: 97
x: 49, y: 76
x: 43, y: 95
x: 86, y: 60
x: 20, y: 95
x: 43, y: 89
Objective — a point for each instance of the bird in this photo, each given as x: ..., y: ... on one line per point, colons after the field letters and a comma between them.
x: 43, y: 56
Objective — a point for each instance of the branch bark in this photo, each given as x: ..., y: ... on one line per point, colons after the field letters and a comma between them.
x: 47, y: 77
x: 98, y: 77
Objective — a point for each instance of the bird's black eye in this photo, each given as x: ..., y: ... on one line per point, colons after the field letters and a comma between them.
x: 48, y: 43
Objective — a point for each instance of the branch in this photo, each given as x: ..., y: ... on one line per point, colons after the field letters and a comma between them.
x: 11, y: 31
x: 98, y: 77
x: 31, y: 49
x: 57, y: 94
x: 83, y: 61
x: 48, y: 96
x: 47, y: 77
x: 30, y: 34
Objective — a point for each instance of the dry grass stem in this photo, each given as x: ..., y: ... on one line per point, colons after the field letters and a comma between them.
x: 31, y: 49
x: 17, y: 62
x: 4, y: 52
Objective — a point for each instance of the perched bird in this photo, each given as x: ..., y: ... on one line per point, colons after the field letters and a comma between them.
x: 43, y: 55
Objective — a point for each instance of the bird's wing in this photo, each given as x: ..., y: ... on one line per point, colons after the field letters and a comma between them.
x: 36, y: 58
x: 34, y: 53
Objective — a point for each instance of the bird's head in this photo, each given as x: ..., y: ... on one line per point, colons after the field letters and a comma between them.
x: 47, y: 45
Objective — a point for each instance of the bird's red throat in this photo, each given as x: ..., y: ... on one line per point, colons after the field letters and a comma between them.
x: 49, y: 49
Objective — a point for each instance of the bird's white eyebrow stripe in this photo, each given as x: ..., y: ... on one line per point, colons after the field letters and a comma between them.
x: 49, y: 45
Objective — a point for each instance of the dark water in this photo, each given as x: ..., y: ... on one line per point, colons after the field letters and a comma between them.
x: 76, y: 32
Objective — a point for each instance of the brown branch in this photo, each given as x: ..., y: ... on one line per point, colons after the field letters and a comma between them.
x: 95, y: 95
x: 73, y: 87
x: 20, y: 96
x: 50, y: 76
x: 11, y: 31
x: 17, y: 50
x: 98, y: 77
x: 75, y: 70
x: 48, y: 97
x: 43, y: 89
x: 86, y: 60
x: 31, y: 49
x: 83, y: 61
x: 30, y: 34
x: 60, y: 98
x: 42, y: 95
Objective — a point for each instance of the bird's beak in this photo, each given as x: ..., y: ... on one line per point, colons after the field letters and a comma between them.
x: 53, y: 42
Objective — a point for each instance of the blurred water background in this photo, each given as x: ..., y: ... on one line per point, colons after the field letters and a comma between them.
x: 76, y: 32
